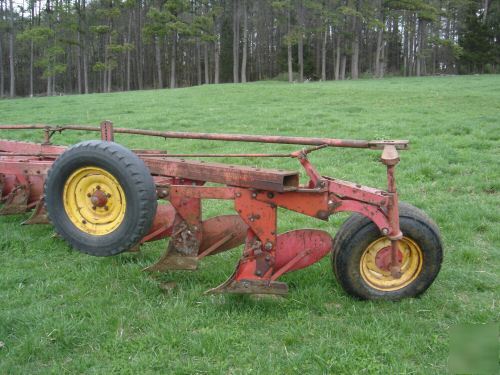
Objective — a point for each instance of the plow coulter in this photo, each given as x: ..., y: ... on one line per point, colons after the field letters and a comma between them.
x: 105, y: 199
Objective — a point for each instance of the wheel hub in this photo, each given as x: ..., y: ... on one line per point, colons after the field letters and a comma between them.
x: 383, y: 258
x: 94, y: 201
x: 377, y: 269
x: 99, y: 198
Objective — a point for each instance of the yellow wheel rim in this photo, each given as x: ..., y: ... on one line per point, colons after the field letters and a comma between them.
x: 374, y: 265
x: 94, y: 201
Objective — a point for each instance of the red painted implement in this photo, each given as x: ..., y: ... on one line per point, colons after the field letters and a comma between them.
x: 102, y: 198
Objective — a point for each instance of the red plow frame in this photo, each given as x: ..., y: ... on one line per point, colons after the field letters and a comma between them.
x: 257, y: 195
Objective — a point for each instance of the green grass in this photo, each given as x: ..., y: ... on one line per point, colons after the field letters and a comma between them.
x: 62, y: 311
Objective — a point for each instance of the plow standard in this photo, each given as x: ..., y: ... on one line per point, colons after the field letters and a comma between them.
x: 105, y: 199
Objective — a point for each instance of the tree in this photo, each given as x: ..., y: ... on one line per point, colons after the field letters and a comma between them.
x: 102, y: 45
x: 12, y: 90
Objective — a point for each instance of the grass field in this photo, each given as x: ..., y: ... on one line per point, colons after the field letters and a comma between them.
x: 65, y: 312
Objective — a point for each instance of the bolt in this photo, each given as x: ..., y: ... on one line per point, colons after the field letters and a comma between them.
x: 268, y: 246
x: 258, y: 273
x: 89, y: 195
x: 106, y: 208
x: 238, y: 195
x: 270, y: 195
x: 254, y: 195
x: 108, y: 195
x: 268, y: 258
x: 385, y: 231
x: 84, y: 222
x: 98, y: 187
x: 252, y: 219
x: 94, y: 207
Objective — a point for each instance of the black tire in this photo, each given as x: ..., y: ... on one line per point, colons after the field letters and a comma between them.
x: 135, y: 181
x: 356, y: 235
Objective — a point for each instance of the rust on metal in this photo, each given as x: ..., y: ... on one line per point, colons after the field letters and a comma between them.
x: 258, y: 178
x: 39, y: 215
x: 256, y: 193
x: 331, y: 142
x: 16, y: 202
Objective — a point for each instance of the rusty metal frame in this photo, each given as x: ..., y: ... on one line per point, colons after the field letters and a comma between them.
x: 257, y: 193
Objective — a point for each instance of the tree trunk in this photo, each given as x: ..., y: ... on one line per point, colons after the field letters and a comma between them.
x: 78, y: 62
x: 301, y: 43
x: 378, y: 52
x: 323, y: 55
x: 216, y: 60
x: 245, y: 44
x: 236, y: 40
x: 342, y: 67
x: 289, y: 49
x: 419, y: 47
x: 485, y: 9
x: 31, y: 67
x: 110, y: 69
x: 337, y: 58
x: 405, y: 46
x: 129, y: 38
x: 173, y: 57
x: 158, y: 62
x: 382, y: 62
x: 205, y: 63
x: 85, y: 71
x: 2, y: 83
x: 198, y: 63
x: 138, y: 43
x: 11, y: 51
x: 355, y: 50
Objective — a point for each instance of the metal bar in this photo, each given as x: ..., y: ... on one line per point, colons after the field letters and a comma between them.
x: 332, y: 142
x: 290, y: 264
x: 215, y: 246
x: 234, y: 175
x: 149, y: 155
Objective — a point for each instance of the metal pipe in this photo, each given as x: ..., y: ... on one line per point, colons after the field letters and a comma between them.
x: 163, y: 155
x: 332, y: 142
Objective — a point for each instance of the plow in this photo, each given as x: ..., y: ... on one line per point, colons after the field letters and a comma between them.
x: 105, y: 199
